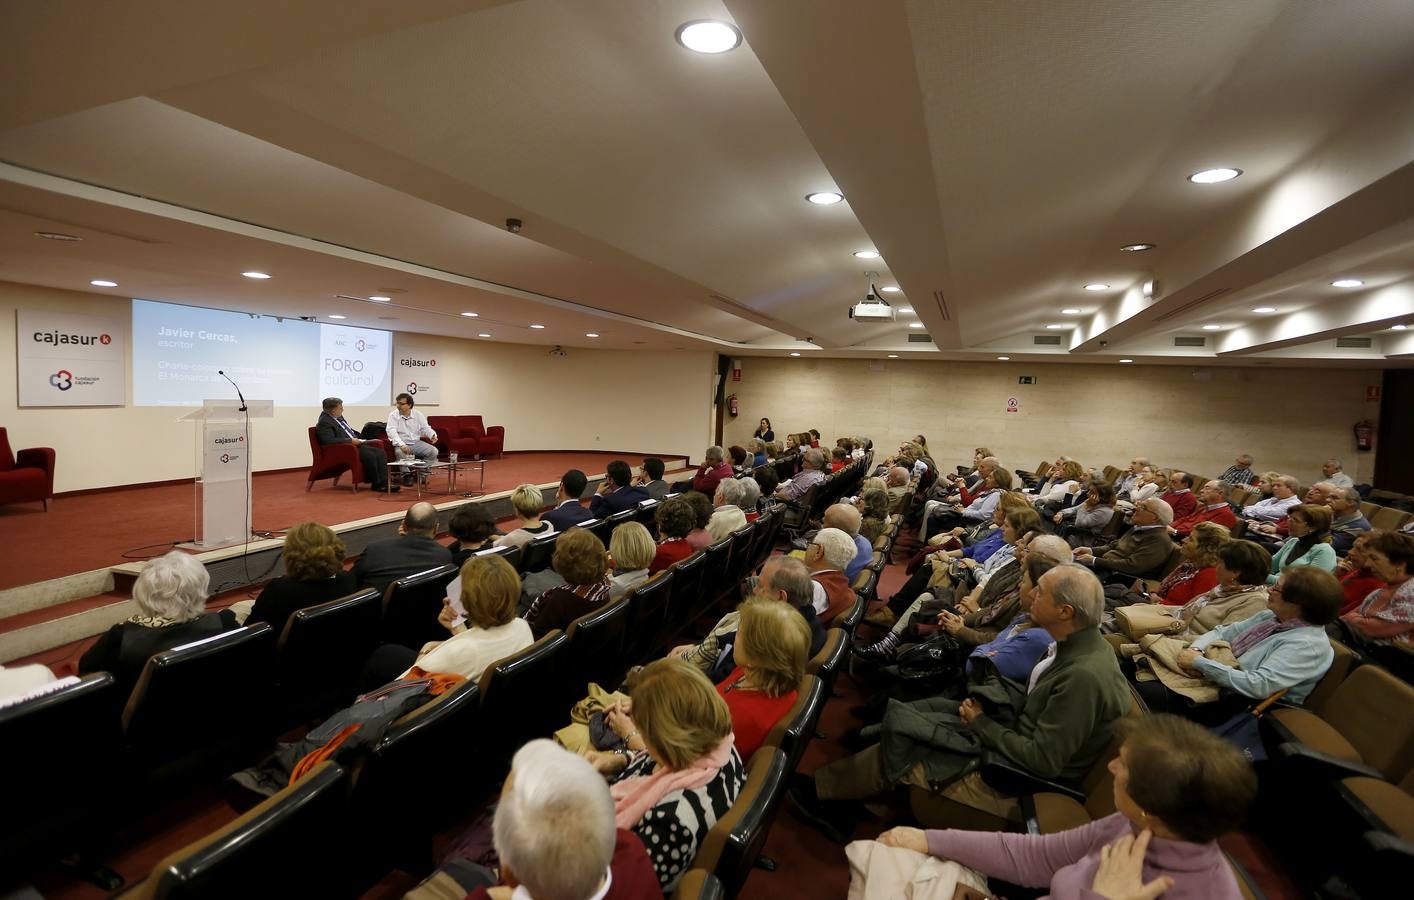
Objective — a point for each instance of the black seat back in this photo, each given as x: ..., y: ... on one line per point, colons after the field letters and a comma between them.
x: 617, y: 519
x: 742, y: 831
x: 595, y: 651
x: 647, y: 515
x: 513, y: 693
x: 509, y: 554
x: 321, y: 652
x: 742, y: 545
x: 411, y: 606
x: 699, y: 884
x: 716, y: 579
x: 687, y: 591
x: 600, y: 527
x: 240, y: 859
x: 648, y: 613
x: 825, y: 665
x: 536, y: 555
x: 794, y: 731
x: 70, y: 742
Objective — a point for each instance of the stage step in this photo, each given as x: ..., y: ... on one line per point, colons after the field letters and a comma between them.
x: 38, y: 630
x: 29, y: 597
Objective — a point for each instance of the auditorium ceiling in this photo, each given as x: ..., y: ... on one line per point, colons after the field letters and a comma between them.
x: 997, y: 157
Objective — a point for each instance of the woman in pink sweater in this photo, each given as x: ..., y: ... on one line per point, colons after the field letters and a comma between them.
x: 1177, y: 789
x: 1387, y: 614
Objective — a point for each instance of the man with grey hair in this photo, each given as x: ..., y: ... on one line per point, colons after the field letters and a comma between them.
x: 1286, y: 492
x: 1271, y: 534
x: 1065, y: 722
x: 728, y: 515
x: 1347, y: 522
x: 1129, y: 477
x: 896, y: 484
x: 1143, y: 550
x: 713, y: 469
x: 812, y: 473
x: 847, y: 518
x: 1332, y: 473
x: 826, y: 558
x: 414, y: 550
x: 555, y: 835
x: 1212, y: 507
x: 750, y: 501
x: 1240, y: 472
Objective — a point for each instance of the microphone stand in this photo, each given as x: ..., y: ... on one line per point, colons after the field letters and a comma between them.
x: 223, y: 374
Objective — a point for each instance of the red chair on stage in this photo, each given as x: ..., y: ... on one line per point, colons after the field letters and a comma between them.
x: 333, y: 460
x: 26, y: 476
x: 467, y: 436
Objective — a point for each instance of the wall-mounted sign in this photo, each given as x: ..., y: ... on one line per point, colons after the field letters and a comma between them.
x: 415, y: 372
x: 67, y: 359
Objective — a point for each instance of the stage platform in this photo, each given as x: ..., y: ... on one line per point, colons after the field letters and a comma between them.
x: 71, y: 567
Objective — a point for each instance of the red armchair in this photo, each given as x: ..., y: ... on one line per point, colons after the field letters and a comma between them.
x: 27, y: 476
x: 333, y: 460
x: 466, y: 435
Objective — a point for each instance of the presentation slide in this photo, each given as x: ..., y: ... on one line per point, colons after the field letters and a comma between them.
x: 177, y: 351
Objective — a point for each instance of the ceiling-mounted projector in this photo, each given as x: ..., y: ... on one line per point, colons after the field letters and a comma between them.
x: 872, y: 308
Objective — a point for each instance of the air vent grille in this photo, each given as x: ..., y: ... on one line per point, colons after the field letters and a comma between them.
x: 1354, y: 343
x: 942, y: 302
x: 1192, y: 304
x: 1196, y: 340
x: 1046, y: 340
x: 920, y: 339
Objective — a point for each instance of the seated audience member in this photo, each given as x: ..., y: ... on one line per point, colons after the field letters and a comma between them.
x: 757, y: 448
x: 1283, y: 647
x: 1197, y: 572
x: 810, y: 474
x: 555, y: 836
x: 727, y: 514
x: 616, y: 494
x: 1241, y: 591
x: 170, y: 594
x: 774, y: 451
x: 963, y: 491
x: 846, y: 518
x: 414, y: 550
x: 527, y: 502
x: 1064, y: 481
x: 20, y: 683
x: 873, y: 506
x: 839, y: 458
x: 1332, y: 473
x: 1211, y: 507
x: 815, y: 438
x: 897, y: 485
x: 1347, y: 522
x: 1149, y: 483
x: 409, y: 433
x: 1177, y: 789
x: 1387, y: 614
x: 738, y: 459
x: 631, y: 550
x: 650, y: 478
x: 333, y: 428
x: 1310, y: 541
x: 784, y: 579
x: 1278, y: 531
x: 1130, y: 478
x: 568, y: 508
x: 702, y: 508
x: 582, y: 563
x: 1142, y: 550
x: 1284, y: 496
x: 314, y: 573
x: 713, y: 469
x: 474, y: 530
x: 487, y: 631
x: 1065, y: 721
x: 673, y: 791
x: 826, y: 558
x: 675, y: 519
x: 979, y: 509
x: 979, y: 456
x: 768, y: 481
x: 750, y: 501
x: 763, y: 431
x: 1179, y: 495
x: 1018, y: 647
x: 1240, y: 472
x: 1357, y: 577
x: 1088, y: 519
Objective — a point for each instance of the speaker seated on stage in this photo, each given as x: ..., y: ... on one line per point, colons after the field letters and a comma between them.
x: 568, y: 510
x: 171, y: 610
x: 409, y: 432
x: 333, y: 428
x: 616, y: 494
x: 413, y: 550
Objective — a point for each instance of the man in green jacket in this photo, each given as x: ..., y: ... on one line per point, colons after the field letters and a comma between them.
x: 1072, y: 700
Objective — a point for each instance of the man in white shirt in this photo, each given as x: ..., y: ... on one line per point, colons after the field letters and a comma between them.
x: 1335, y: 475
x: 1284, y: 497
x: 409, y: 432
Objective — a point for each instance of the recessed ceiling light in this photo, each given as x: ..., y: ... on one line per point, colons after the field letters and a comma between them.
x: 1071, y: 311
x: 795, y: 354
x: 380, y: 299
x: 1264, y: 309
x: 824, y: 198
x: 1057, y: 327
x: 915, y: 324
x: 893, y: 356
x: 258, y: 276
x: 708, y: 36
x: 891, y: 289
x: 57, y: 236
x: 483, y: 334
x: 906, y: 310
x: 1003, y: 358
x: 1347, y: 282
x: 1398, y: 327
x: 1213, y: 176
x: 1097, y: 286
x: 1126, y: 360
x: 100, y: 282
x: 1212, y: 328
x: 537, y: 326
x: 1136, y: 248
x: 338, y: 317
x: 591, y: 334
x: 866, y: 254
x: 471, y: 315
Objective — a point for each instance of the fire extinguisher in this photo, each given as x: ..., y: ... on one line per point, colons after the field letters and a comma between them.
x: 732, y: 406
x: 1364, y: 435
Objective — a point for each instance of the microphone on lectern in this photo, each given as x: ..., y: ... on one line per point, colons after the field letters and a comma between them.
x: 223, y: 374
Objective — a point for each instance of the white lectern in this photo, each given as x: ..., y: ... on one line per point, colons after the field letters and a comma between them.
x: 223, y: 447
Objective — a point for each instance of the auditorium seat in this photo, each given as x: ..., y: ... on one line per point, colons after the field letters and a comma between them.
x: 686, y: 594
x: 733, y: 845
x: 595, y: 651
x: 536, y: 555
x: 716, y: 575
x: 1376, y: 832
x: 699, y: 884
x: 512, y: 694
x: 201, y: 707
x: 296, y: 839
x: 1388, y: 518
x: 26, y: 476
x: 739, y: 565
x: 647, y: 516
x: 321, y: 652
x: 60, y: 790
x: 601, y: 528
x: 648, y: 614
x: 332, y: 461
x: 411, y: 606
x: 467, y: 436
x: 619, y: 518
x: 826, y: 664
x: 792, y: 734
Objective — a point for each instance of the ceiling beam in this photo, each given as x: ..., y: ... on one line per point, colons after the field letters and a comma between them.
x: 1398, y: 344
x: 1366, y: 311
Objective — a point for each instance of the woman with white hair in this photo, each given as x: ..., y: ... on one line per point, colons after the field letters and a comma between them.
x: 171, y: 610
x: 750, y: 501
x: 727, y: 516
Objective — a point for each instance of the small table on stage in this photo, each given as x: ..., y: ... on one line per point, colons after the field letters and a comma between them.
x: 422, y: 471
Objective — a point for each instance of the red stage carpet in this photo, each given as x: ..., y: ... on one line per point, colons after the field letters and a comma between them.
x: 92, y: 531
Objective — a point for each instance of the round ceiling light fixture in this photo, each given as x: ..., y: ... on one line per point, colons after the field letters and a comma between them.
x: 57, y: 236
x: 915, y: 324
x: 708, y: 36
x: 1126, y: 360
x: 1347, y: 283
x: 103, y: 282
x: 537, y: 326
x: 866, y: 254
x: 1400, y: 327
x: 1137, y: 248
x: 893, y: 356
x: 258, y: 276
x: 795, y: 354
x: 1212, y: 328
x: 1264, y: 309
x: 891, y: 289
x: 1071, y: 311
x: 1214, y: 176
x: 471, y: 315
x: 483, y: 334
x: 1003, y: 358
x: 591, y: 334
x: 381, y: 299
x: 336, y: 316
x: 1057, y: 326
x: 1097, y: 286
x: 824, y: 198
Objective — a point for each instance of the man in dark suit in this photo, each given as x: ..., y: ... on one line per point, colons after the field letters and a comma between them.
x: 568, y: 510
x: 616, y: 494
x: 413, y: 551
x: 333, y: 428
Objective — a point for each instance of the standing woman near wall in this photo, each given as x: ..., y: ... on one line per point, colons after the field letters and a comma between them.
x: 764, y: 432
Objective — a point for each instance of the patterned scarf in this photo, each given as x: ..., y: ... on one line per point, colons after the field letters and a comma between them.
x: 1254, y: 636
x: 635, y: 796
x: 1185, y: 573
x: 1398, y: 603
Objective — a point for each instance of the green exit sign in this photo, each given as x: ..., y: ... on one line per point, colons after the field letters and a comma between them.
x: 1026, y: 379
